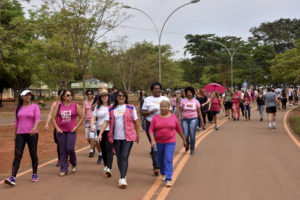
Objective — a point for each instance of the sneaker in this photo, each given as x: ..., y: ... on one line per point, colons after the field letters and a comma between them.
x: 163, y: 177
x: 73, y: 169
x: 192, y: 153
x: 108, y: 172
x: 238, y: 119
x: 216, y: 127
x: 156, y: 172
x: 11, y: 181
x: 99, y: 161
x: 234, y: 119
x: 122, y: 183
x: 168, y: 183
x: 104, y: 170
x: 61, y: 174
x: 261, y: 119
x: 35, y: 178
x: 91, y: 154
x: 204, y: 128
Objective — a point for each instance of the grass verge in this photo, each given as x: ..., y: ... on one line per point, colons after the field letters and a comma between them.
x: 295, y: 121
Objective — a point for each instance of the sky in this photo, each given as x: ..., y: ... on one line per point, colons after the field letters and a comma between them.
x: 219, y: 17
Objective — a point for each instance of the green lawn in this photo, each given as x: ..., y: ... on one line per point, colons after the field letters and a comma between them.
x: 295, y: 121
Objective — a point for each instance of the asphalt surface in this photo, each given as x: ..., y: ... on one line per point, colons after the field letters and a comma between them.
x: 243, y: 160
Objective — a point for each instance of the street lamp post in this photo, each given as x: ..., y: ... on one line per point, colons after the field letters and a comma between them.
x: 159, y: 34
x: 231, y: 55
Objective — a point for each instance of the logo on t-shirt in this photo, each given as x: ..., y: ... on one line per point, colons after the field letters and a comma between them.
x: 190, y: 106
x: 66, y: 115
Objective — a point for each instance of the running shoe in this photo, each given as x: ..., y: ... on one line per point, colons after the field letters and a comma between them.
x: 156, y: 172
x: 108, y: 172
x: 91, y: 154
x: 122, y: 183
x: 73, y: 169
x: 193, y: 153
x: 99, y: 161
x: 61, y: 174
x: 216, y: 127
x: 261, y: 119
x: 57, y: 164
x: 104, y: 170
x: 168, y: 183
x: 163, y: 177
x: 10, y: 181
x: 35, y: 178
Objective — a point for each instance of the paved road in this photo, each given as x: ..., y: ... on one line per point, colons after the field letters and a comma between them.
x: 242, y: 161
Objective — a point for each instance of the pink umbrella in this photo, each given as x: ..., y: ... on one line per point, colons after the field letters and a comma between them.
x: 214, y: 87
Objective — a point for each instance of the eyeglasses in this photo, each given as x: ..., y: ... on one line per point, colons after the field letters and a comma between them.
x: 121, y: 95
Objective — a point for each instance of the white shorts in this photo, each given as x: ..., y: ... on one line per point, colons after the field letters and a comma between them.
x: 88, y: 134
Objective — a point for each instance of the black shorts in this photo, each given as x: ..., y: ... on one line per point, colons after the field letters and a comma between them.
x: 290, y: 98
x: 228, y: 105
x: 296, y: 98
x: 215, y: 113
x: 271, y: 109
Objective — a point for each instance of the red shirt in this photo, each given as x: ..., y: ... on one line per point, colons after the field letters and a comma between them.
x: 165, y: 128
x: 236, y: 98
x: 215, y: 104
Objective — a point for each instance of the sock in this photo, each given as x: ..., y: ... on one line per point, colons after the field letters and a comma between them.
x: 100, y: 154
x: 91, y: 150
x: 270, y: 125
x: 274, y: 124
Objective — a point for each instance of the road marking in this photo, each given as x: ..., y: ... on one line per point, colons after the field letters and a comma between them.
x: 287, y: 129
x: 165, y: 191
x: 46, y: 163
x: 181, y: 152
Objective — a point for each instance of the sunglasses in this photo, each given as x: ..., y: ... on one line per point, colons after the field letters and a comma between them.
x: 68, y: 95
x: 121, y: 95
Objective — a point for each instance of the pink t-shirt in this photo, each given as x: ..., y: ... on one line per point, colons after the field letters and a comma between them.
x: 215, y: 104
x: 236, y: 98
x: 66, y: 119
x: 189, y: 108
x: 27, y: 116
x: 88, y: 111
x: 246, y: 101
x: 165, y: 128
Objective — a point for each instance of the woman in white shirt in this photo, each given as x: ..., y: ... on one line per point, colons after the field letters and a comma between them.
x: 101, y: 112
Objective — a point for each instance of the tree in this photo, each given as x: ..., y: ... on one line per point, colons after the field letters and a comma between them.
x: 86, y: 22
x: 286, y: 66
x: 281, y: 33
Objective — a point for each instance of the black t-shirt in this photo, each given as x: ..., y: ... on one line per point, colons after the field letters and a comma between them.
x: 203, y: 100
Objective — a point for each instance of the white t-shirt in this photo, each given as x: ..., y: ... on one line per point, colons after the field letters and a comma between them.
x: 119, y: 129
x: 151, y: 103
x: 102, y: 114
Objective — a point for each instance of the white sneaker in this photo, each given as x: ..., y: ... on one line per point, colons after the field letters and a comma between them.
x: 104, y: 170
x: 73, y: 169
x: 163, y: 177
x: 122, y: 183
x: 168, y: 183
x: 108, y: 172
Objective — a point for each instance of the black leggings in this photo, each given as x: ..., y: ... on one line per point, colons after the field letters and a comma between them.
x: 106, y: 147
x: 57, y: 146
x: 283, y: 102
x: 20, y: 141
x: 203, y: 112
x: 122, y: 148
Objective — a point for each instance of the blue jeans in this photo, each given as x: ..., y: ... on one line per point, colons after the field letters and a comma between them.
x: 153, y: 149
x: 189, y: 127
x: 143, y: 122
x: 165, y: 159
x: 247, y: 110
x: 261, y: 110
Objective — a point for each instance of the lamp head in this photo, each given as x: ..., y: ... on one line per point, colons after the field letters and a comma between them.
x: 126, y: 6
x: 195, y: 1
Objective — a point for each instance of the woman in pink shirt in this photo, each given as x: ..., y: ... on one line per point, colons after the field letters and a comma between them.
x: 246, y: 102
x: 236, y: 105
x: 165, y: 125
x: 27, y: 120
x: 215, y: 108
x: 189, y: 109
x: 64, y: 120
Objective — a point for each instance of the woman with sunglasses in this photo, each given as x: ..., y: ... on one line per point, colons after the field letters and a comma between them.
x: 27, y: 120
x: 64, y: 120
x: 101, y: 112
x: 87, y: 112
x: 123, y: 131
x: 49, y: 119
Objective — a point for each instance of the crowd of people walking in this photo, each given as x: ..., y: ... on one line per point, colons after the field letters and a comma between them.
x: 112, y: 125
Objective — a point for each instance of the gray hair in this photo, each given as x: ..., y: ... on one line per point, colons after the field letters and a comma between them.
x: 104, y: 85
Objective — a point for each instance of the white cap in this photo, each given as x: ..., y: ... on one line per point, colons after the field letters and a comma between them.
x: 25, y: 92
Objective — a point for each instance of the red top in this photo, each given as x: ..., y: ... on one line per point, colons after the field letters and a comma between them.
x: 165, y: 128
x: 236, y: 98
x: 215, y: 104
